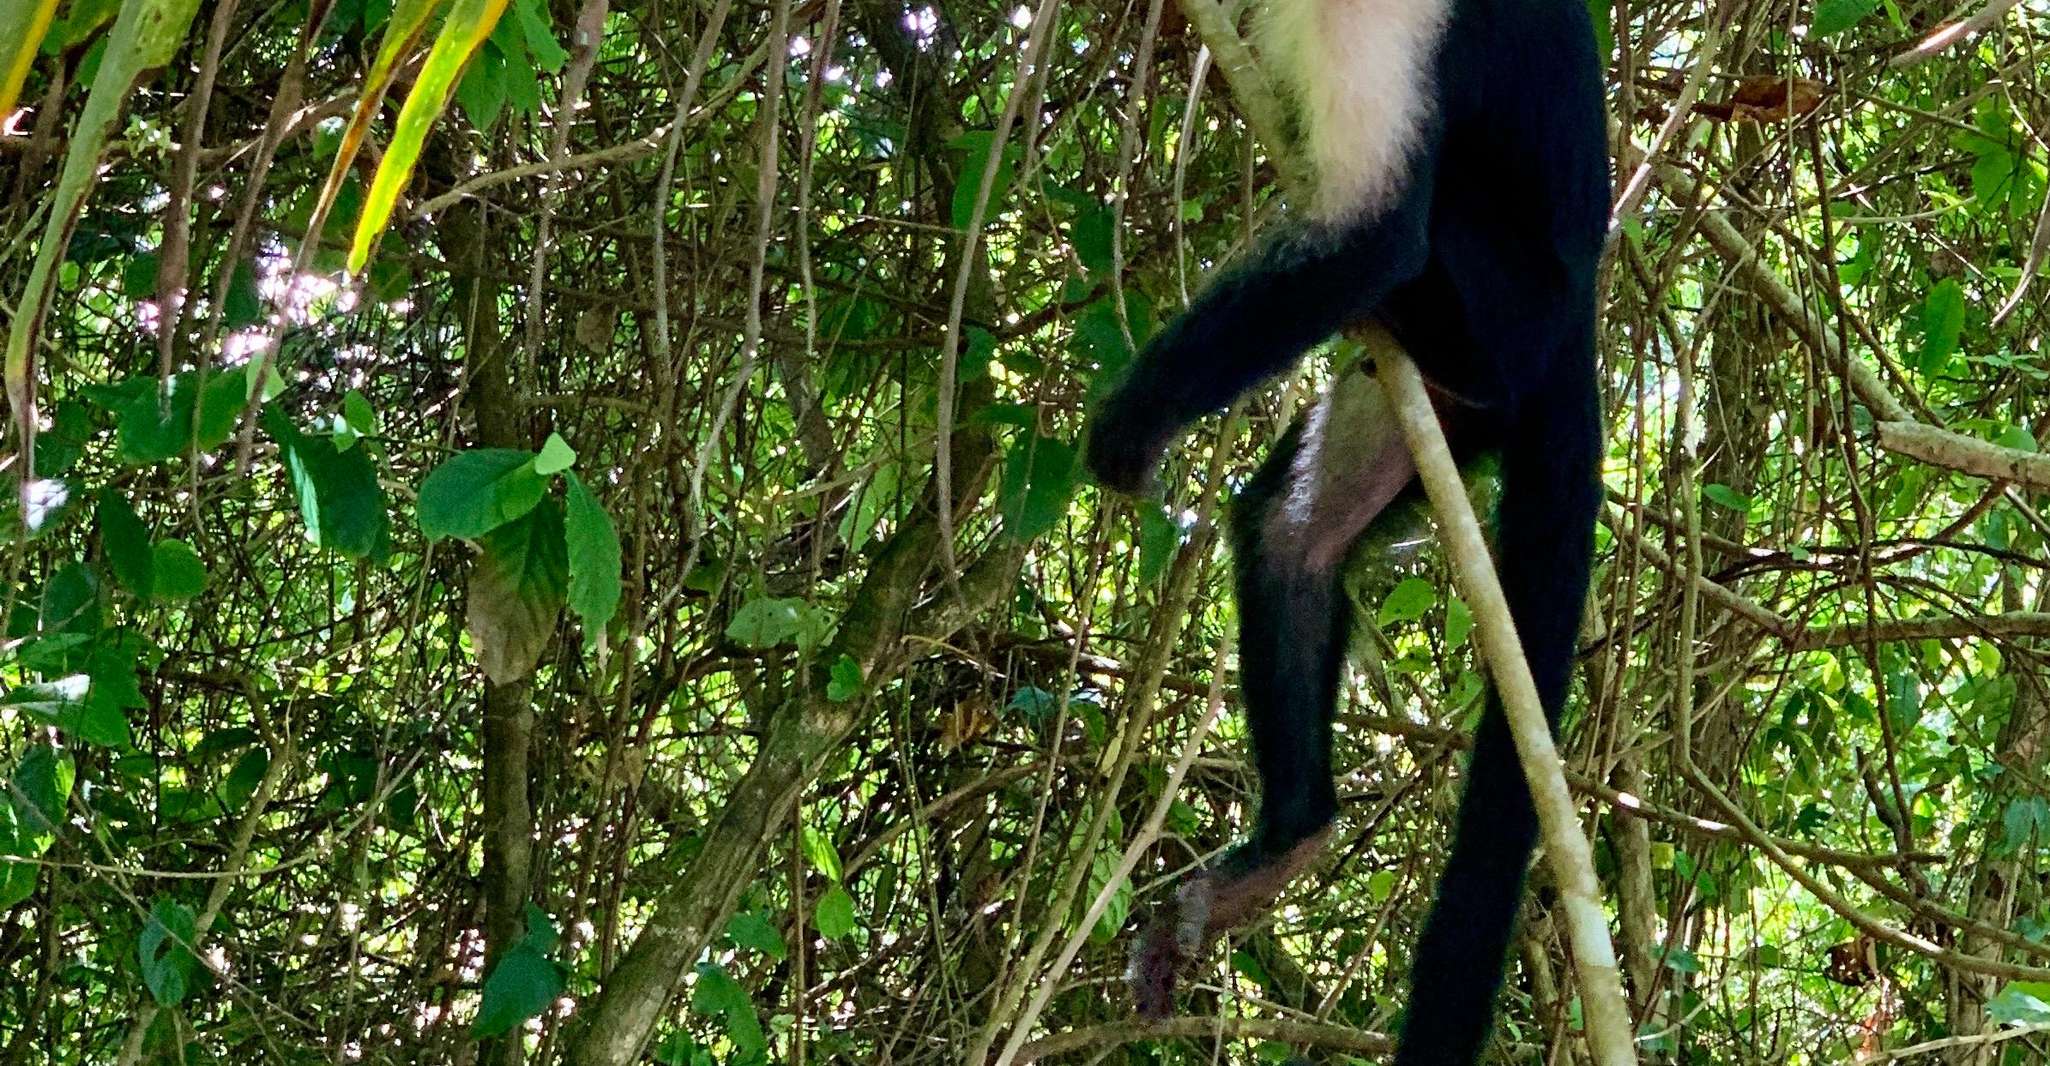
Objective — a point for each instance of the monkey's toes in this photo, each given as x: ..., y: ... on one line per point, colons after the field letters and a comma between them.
x: 1155, y: 966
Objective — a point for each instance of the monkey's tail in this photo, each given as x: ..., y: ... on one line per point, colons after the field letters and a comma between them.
x: 1550, y: 494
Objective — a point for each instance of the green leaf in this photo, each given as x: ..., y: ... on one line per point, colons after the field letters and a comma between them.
x: 37, y: 790
x: 1602, y: 14
x: 975, y: 146
x: 539, y: 36
x: 980, y: 348
x: 244, y: 778
x: 1996, y: 175
x: 2025, y: 820
x: 469, y: 23
x: 1159, y: 539
x: 139, y: 275
x: 125, y: 541
x: 1039, y: 477
x: 114, y: 690
x: 1458, y: 623
x: 2017, y: 437
x: 1836, y: 16
x: 1036, y: 705
x: 67, y: 704
x: 521, y: 986
x: 871, y: 503
x: 59, y: 447
x: 1102, y: 869
x: 340, y: 501
x: 1725, y: 496
x: 556, y: 456
x: 482, y: 92
x: 358, y: 414
x: 717, y: 994
x: 1943, y: 322
x: 542, y: 935
x: 22, y: 26
x: 152, y: 425
x: 244, y: 304
x: 765, y: 623
x: 845, y: 682
x: 1091, y: 234
x: 834, y: 914
x: 71, y: 601
x: 1101, y: 339
x: 2021, y: 1003
x: 820, y: 853
x: 1408, y: 601
x: 517, y: 591
x: 477, y: 491
x: 180, y: 575
x: 750, y: 929
x: 594, y: 560
x: 165, y: 947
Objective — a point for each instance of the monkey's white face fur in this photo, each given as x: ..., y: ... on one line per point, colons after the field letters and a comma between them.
x: 1361, y: 73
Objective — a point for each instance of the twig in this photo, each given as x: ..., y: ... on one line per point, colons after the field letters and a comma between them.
x: 1606, y: 1012
x: 1929, y: 46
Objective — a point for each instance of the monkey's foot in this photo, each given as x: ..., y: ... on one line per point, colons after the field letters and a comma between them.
x: 1172, y: 940
x: 1204, y: 906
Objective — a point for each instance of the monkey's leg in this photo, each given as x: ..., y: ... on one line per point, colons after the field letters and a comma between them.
x: 1327, y: 479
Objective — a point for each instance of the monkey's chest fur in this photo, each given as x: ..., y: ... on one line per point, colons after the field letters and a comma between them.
x: 1361, y: 75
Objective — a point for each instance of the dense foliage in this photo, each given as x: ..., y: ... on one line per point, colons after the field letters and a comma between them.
x: 599, y: 572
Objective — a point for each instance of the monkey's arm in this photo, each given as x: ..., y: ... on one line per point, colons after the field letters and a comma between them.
x: 1253, y: 322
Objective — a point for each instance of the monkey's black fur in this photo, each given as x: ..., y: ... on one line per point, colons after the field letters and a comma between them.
x: 1484, y: 268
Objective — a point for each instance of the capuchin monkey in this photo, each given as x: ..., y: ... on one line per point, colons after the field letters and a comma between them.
x: 1461, y: 197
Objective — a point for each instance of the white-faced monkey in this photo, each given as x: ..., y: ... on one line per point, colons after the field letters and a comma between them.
x: 1461, y: 197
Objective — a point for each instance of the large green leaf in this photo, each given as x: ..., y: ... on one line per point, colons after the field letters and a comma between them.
x: 521, y: 986
x: 752, y: 929
x: 1407, y: 601
x: 718, y: 995
x: 1836, y: 16
x: 1039, y: 477
x: 339, y: 497
x: 180, y: 575
x: 477, y: 491
x: 68, y: 704
x: 517, y: 591
x: 165, y: 947
x: 834, y: 914
x: 32, y: 807
x: 769, y: 621
x: 594, y: 560
x: 524, y: 983
x: 124, y: 540
x: 154, y: 424
x: 1943, y: 322
x: 39, y: 786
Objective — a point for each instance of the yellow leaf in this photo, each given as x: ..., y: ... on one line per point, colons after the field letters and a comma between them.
x: 468, y: 24
x: 24, y: 24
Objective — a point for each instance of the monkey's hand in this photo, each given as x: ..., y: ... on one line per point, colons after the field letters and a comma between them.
x: 1124, y: 446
